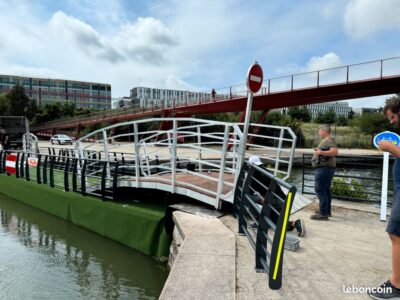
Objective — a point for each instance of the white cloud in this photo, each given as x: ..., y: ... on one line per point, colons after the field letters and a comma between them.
x: 374, y: 102
x: 329, y: 10
x: 327, y: 61
x: 176, y: 83
x: 175, y: 44
x: 147, y: 40
x: 315, y: 63
x: 99, y: 13
x: 365, y: 17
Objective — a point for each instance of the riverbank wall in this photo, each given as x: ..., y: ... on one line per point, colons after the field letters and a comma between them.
x: 136, y: 226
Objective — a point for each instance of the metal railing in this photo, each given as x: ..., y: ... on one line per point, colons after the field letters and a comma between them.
x: 340, y: 75
x: 30, y: 142
x: 264, y: 225
x: 357, y: 178
x: 191, y: 158
x: 94, y: 177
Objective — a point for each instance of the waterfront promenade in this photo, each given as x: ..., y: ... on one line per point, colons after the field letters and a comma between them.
x: 351, y: 249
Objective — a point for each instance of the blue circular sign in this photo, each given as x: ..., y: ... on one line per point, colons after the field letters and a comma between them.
x: 387, y: 136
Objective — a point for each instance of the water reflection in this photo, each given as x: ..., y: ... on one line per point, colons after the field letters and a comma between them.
x: 44, y: 257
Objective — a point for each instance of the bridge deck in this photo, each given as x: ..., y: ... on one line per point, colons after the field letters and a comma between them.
x: 186, y: 184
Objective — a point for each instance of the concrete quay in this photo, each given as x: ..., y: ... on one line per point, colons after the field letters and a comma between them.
x: 214, y: 262
x: 205, y: 264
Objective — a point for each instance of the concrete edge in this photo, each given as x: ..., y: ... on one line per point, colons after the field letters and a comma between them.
x: 205, y: 264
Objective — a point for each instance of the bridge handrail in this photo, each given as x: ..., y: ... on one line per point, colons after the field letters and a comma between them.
x: 86, y: 176
x: 204, y: 145
x: 240, y: 90
x: 256, y: 221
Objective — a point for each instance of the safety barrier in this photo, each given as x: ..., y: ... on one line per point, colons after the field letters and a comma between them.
x: 264, y: 225
x: 94, y: 177
x: 357, y: 178
x: 195, y: 157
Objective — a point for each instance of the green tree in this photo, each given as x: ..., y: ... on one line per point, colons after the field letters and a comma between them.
x: 51, y: 111
x: 19, y: 101
x: 341, y: 121
x: 274, y: 117
x: 371, y: 123
x: 327, y: 117
x: 31, y: 110
x: 300, y: 113
x: 4, y: 105
x: 68, y: 109
x: 351, y: 114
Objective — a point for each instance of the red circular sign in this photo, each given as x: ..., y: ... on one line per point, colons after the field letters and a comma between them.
x: 254, y: 78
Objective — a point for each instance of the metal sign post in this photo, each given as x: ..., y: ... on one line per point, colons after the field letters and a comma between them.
x: 395, y: 140
x: 254, y: 83
x: 384, y: 185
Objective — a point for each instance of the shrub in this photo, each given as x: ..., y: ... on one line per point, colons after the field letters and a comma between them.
x: 348, y: 188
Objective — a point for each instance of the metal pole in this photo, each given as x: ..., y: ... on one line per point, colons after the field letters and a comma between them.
x: 385, y: 173
x: 242, y: 146
x: 173, y: 156
x: 222, y: 165
x: 137, y: 154
x: 106, y: 153
x: 278, y: 152
x: 199, y: 150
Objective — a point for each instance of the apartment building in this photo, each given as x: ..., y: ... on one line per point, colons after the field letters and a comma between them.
x: 45, y: 90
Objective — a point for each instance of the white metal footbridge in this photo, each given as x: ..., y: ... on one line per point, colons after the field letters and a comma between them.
x: 197, y: 158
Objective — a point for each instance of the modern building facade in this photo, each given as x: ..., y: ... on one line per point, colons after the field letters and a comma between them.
x: 121, y: 102
x: 340, y: 108
x: 44, y: 90
x: 365, y: 110
x: 145, y: 97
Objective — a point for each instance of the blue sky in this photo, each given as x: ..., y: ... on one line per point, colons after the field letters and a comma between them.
x: 195, y: 45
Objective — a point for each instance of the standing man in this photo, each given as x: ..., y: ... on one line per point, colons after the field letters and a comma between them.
x: 325, y: 163
x: 391, y: 288
x: 5, y: 139
x: 213, y: 94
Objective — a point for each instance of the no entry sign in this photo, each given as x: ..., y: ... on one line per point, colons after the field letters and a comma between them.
x: 254, y: 78
x: 11, y: 163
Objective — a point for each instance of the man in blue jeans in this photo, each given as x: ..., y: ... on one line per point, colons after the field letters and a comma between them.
x: 391, y: 288
x: 325, y: 163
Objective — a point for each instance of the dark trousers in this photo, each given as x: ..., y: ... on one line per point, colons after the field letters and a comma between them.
x: 323, y: 180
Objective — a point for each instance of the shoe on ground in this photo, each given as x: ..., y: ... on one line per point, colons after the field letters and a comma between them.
x: 300, y: 227
x: 385, y: 291
x: 319, y: 217
x: 318, y: 212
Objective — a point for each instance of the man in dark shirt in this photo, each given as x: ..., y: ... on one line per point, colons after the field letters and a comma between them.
x: 258, y: 186
x: 391, y: 288
x: 325, y: 163
x: 5, y: 139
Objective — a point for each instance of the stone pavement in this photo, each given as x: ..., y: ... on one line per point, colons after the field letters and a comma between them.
x: 204, y: 267
x: 214, y: 262
x: 352, y: 248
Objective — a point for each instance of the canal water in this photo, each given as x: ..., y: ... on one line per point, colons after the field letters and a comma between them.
x: 43, y: 257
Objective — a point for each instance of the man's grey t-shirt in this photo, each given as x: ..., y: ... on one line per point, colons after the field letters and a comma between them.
x: 331, y: 161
